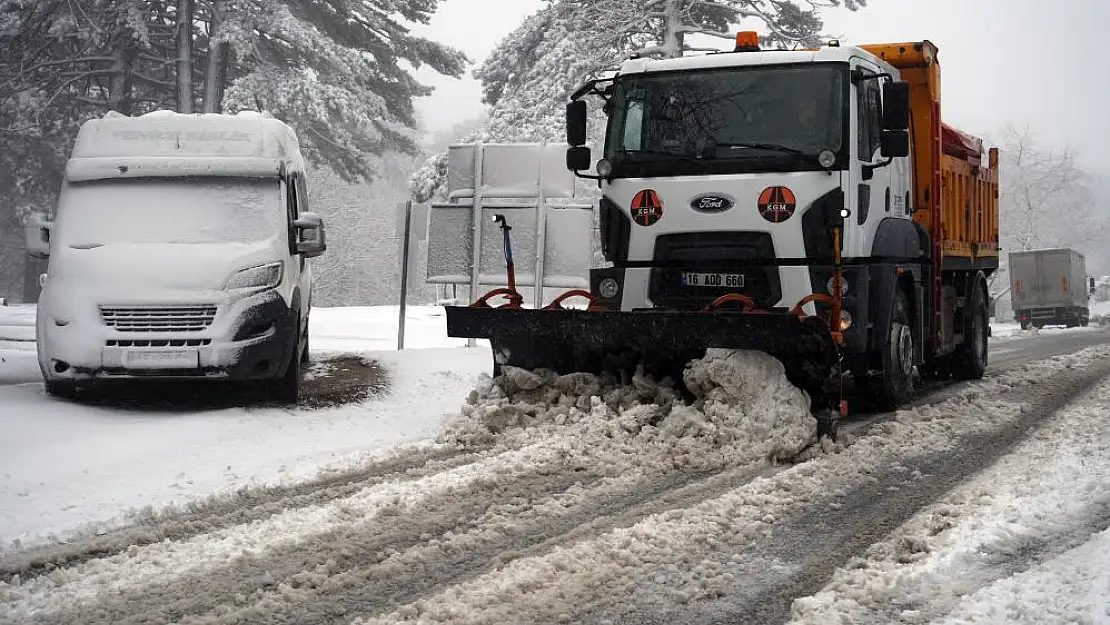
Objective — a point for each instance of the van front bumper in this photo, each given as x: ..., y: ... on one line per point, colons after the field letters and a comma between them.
x: 250, y: 339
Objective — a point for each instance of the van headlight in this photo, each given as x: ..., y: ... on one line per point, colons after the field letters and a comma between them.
x: 261, y: 277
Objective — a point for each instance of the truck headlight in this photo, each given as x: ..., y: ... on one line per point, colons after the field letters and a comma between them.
x: 261, y: 277
x: 845, y: 320
x: 608, y: 288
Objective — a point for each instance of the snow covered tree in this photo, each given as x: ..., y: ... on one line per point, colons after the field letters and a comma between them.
x: 1047, y: 198
x: 530, y: 75
x: 332, y: 68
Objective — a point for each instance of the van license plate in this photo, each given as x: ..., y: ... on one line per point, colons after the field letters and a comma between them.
x: 163, y: 359
x: 715, y: 280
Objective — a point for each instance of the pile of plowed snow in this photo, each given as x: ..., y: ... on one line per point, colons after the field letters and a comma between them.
x: 744, y: 409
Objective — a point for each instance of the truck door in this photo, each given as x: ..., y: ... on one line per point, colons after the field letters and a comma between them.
x: 870, y: 195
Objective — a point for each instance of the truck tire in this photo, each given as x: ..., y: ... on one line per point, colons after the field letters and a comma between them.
x: 936, y: 370
x: 893, y: 387
x: 971, y: 357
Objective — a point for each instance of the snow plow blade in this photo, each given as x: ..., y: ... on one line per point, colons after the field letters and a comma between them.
x: 568, y: 341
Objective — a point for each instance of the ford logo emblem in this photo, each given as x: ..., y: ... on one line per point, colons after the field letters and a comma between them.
x: 712, y: 203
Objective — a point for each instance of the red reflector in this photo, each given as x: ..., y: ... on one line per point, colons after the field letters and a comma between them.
x: 844, y: 407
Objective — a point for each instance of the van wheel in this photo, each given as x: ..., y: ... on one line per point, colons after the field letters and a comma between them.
x: 893, y: 387
x: 971, y: 359
x: 287, y: 388
x: 63, y: 389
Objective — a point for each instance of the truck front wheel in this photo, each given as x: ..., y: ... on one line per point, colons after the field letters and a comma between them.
x: 894, y: 386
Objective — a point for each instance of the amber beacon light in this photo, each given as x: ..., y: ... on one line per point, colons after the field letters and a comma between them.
x: 747, y: 41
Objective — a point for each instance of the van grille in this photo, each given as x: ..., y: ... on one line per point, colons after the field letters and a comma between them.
x: 158, y: 342
x: 158, y: 318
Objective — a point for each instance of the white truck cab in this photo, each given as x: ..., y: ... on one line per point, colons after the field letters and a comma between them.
x: 179, y: 249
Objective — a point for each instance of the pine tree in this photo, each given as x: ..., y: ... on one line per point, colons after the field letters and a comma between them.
x: 529, y: 76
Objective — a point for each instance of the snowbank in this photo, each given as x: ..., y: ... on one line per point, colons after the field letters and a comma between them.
x: 745, y: 410
x: 356, y: 329
x: 18, y: 359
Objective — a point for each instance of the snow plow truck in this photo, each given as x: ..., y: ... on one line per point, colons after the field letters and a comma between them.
x: 810, y: 204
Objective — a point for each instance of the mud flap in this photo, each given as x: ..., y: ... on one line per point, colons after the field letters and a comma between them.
x: 663, y: 342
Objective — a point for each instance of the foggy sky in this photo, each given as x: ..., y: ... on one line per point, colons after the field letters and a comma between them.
x: 1002, y: 60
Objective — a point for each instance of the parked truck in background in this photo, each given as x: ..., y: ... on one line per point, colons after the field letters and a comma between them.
x: 810, y: 204
x: 1050, y: 287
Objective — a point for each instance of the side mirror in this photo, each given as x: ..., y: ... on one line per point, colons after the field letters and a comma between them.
x: 1091, y: 282
x: 576, y: 123
x: 578, y: 159
x: 311, y: 241
x: 896, y: 105
x: 38, y: 237
x: 895, y: 143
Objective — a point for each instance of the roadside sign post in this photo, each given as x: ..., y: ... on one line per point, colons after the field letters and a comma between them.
x: 404, y: 276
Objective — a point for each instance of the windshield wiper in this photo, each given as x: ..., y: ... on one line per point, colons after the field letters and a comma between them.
x: 764, y: 146
x: 682, y: 157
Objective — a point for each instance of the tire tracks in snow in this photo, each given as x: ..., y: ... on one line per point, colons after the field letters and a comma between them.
x: 244, y: 506
x: 807, y: 548
x: 382, y: 563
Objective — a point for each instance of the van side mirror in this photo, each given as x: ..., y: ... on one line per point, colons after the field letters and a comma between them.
x: 311, y: 240
x: 38, y: 237
x: 1091, y: 283
x: 576, y: 123
x: 894, y: 144
x: 896, y: 105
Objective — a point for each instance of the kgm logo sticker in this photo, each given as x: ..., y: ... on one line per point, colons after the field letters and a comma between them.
x: 777, y: 204
x: 712, y: 203
x: 647, y: 208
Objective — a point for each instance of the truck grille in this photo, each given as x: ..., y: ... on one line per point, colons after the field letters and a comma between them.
x: 158, y: 318
x: 713, y: 252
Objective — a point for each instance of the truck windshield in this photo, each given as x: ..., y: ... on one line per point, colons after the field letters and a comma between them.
x: 727, y: 120
x: 170, y: 210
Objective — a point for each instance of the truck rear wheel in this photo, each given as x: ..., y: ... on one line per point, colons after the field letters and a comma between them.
x: 894, y: 386
x: 971, y: 359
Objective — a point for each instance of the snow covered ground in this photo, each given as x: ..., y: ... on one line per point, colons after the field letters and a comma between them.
x: 1026, y: 541
x: 560, y: 499
x: 64, y: 464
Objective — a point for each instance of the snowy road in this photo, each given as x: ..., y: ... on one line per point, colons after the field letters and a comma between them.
x: 540, y: 505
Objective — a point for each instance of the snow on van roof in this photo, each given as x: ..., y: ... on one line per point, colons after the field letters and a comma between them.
x: 169, y: 134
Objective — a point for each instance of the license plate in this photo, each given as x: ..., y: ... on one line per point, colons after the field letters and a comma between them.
x: 714, y: 280
x: 163, y: 359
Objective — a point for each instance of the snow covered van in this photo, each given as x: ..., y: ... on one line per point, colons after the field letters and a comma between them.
x: 179, y: 249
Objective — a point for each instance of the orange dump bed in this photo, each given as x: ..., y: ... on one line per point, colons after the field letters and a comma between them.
x: 955, y: 181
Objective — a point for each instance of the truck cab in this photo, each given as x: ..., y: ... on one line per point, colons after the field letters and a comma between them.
x: 812, y: 180
x: 808, y: 204
x: 180, y: 249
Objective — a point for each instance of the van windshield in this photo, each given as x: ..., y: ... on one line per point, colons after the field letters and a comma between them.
x: 170, y: 210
